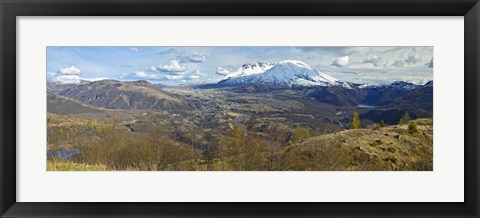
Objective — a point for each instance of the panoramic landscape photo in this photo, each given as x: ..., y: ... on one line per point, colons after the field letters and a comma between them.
x: 155, y: 108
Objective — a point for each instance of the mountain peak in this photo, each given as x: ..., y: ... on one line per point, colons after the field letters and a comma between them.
x: 285, y: 73
x: 246, y: 69
x: 404, y: 85
x: 140, y: 83
x: 260, y: 64
x: 296, y: 63
x: 106, y: 81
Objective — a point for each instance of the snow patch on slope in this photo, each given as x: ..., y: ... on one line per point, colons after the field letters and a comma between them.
x: 246, y: 70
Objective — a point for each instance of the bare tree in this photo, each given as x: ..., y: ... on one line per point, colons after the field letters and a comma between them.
x: 277, y: 137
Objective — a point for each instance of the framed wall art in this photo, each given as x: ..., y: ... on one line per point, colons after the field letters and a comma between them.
x: 239, y: 109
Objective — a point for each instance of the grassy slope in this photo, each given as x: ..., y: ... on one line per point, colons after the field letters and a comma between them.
x: 366, y: 149
x: 63, y: 105
x: 70, y: 166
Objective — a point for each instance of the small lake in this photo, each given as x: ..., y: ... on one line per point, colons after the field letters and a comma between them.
x: 366, y: 106
x: 63, y: 154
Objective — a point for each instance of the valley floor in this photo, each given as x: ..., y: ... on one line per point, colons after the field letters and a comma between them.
x: 172, y: 142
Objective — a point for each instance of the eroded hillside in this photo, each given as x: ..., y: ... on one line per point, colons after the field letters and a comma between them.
x: 387, y: 148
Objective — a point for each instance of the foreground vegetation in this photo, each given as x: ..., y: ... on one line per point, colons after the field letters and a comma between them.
x: 61, y: 165
x: 246, y: 146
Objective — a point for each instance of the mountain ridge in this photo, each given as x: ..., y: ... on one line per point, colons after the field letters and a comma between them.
x: 124, y: 95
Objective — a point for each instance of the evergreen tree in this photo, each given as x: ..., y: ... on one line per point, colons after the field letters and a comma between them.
x: 401, y: 122
x: 382, y: 124
x: 355, y: 122
x: 412, y: 127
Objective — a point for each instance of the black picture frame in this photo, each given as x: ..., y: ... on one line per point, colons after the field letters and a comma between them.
x: 10, y: 9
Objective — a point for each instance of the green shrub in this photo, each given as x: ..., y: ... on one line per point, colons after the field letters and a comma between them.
x: 382, y: 124
x: 412, y: 127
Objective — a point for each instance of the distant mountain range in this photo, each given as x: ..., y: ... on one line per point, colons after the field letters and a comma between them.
x: 322, y: 87
x: 301, y: 80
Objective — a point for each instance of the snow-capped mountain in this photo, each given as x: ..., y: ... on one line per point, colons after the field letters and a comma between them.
x: 394, y: 85
x: 404, y: 85
x: 289, y: 73
x: 246, y: 69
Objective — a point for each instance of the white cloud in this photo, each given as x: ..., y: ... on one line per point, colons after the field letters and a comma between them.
x: 413, y: 58
x: 341, y: 61
x: 144, y: 75
x: 197, y: 56
x: 174, y: 66
x: 69, y: 71
x: 94, y: 79
x: 73, y: 79
x: 398, y: 63
x: 51, y: 76
x: 168, y: 51
x: 174, y: 77
x: 134, y: 49
x: 69, y: 75
x: 222, y: 71
x: 374, y: 60
x: 185, y: 76
x: 373, y: 57
x: 174, y: 72
x: 376, y: 75
x: 68, y: 79
x: 196, y: 74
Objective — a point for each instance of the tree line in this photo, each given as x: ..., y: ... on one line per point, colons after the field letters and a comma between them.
x: 239, y: 148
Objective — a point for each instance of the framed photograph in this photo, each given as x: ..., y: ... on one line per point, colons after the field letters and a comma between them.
x: 239, y: 109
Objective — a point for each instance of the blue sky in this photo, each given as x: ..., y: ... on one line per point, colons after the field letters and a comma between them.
x: 190, y: 65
